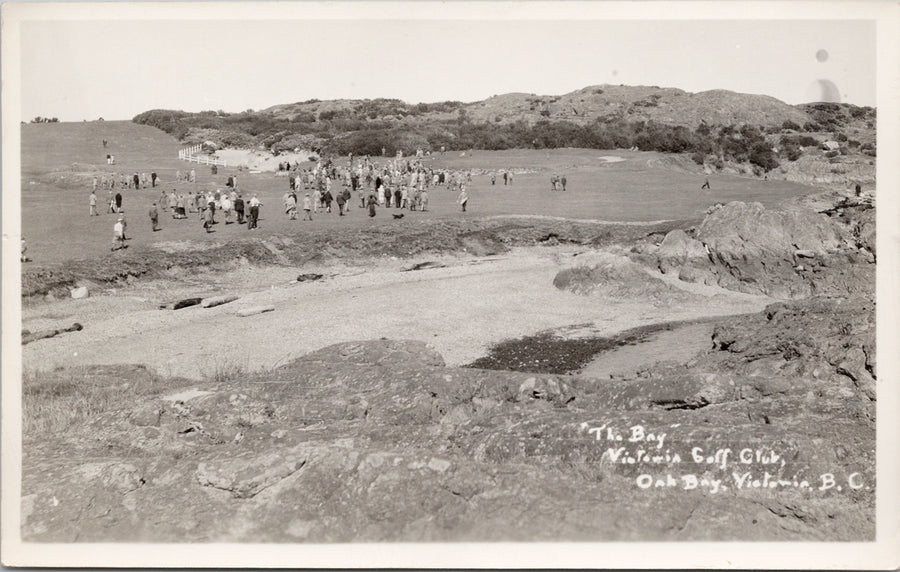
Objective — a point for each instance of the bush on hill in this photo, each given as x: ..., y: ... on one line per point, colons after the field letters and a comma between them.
x: 368, y: 126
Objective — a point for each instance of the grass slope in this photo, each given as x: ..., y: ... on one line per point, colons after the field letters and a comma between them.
x: 57, y: 226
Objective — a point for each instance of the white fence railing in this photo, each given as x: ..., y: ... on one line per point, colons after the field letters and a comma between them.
x: 187, y: 154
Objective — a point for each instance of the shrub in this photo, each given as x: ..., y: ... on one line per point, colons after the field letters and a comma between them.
x: 763, y: 156
x: 790, y: 125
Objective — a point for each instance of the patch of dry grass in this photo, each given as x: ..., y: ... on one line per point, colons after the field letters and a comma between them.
x: 56, y: 401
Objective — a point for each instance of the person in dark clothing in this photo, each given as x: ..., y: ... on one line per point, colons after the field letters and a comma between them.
x: 118, y: 202
x: 398, y: 196
x: 563, y: 181
x: 372, y: 202
x: 154, y: 217
x: 705, y: 184
x: 239, y: 209
x: 327, y: 198
x: 137, y: 181
x: 208, y: 218
x: 153, y: 179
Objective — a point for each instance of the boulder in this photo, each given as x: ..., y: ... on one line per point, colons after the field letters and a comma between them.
x: 615, y: 276
x: 746, y: 247
x: 309, y: 277
x: 186, y: 303
x: 422, y: 266
x: 253, y: 310
x: 80, y: 292
x: 217, y: 301
x: 678, y: 249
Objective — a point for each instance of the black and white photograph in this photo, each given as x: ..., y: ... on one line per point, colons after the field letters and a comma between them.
x: 450, y: 284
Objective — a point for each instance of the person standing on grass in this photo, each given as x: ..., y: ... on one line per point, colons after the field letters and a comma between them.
x: 227, y: 205
x: 563, y: 181
x: 341, y: 201
x: 292, y: 206
x: 136, y: 179
x: 208, y: 218
x: 424, y: 200
x: 254, y: 212
x: 286, y: 201
x: 118, y: 235
x: 153, y: 179
x: 463, y: 198
x: 371, y: 204
x: 111, y: 202
x: 327, y: 199
x: 93, y: 202
x: 118, y: 202
x: 124, y: 222
x: 705, y: 184
x: 193, y: 176
x: 307, y: 207
x: 239, y: 208
x: 179, y: 207
x: 154, y: 218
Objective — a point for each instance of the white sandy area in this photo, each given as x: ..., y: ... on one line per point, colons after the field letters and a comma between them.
x: 611, y: 158
x: 258, y: 160
x: 461, y: 310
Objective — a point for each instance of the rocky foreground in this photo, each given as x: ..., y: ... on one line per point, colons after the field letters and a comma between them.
x: 767, y: 435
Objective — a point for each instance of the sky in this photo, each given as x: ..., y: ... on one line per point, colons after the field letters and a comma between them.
x: 77, y: 66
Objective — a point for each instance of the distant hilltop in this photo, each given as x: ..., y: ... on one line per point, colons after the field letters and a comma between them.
x: 606, y: 102
x: 600, y: 117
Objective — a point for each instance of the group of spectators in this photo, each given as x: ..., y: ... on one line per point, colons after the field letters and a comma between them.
x: 395, y: 183
x: 137, y: 181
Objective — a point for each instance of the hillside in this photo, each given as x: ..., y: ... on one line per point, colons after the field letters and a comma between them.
x: 716, y: 126
x: 662, y: 105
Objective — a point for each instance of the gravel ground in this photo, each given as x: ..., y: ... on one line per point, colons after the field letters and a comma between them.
x: 462, y: 310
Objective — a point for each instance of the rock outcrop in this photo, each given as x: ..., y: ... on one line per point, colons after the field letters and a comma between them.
x: 788, y: 253
x: 379, y: 441
x: 617, y: 277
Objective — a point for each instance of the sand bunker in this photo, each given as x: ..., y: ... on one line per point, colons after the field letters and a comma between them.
x: 261, y: 160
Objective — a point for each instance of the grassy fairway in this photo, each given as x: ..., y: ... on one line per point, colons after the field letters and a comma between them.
x: 57, y: 226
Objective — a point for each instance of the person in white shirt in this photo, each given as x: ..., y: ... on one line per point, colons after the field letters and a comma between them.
x: 254, y: 212
x: 118, y: 235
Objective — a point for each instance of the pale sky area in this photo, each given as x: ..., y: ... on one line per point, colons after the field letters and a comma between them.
x: 116, y: 69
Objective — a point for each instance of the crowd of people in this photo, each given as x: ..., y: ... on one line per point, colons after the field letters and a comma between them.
x: 326, y: 187
x: 136, y: 181
x: 397, y: 183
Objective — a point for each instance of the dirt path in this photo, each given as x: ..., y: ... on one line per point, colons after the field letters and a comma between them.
x: 461, y: 309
